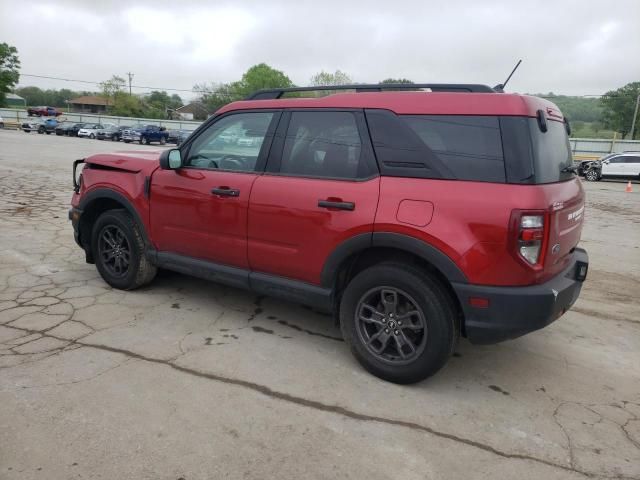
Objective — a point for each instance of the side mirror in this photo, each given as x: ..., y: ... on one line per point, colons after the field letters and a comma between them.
x: 606, y: 161
x: 170, y: 159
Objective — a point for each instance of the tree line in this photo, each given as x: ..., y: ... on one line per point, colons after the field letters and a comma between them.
x: 589, y: 116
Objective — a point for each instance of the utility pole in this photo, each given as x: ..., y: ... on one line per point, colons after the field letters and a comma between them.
x: 635, y: 114
x: 130, y: 75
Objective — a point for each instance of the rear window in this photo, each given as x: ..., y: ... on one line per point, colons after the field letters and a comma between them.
x: 469, y: 146
x: 551, y: 152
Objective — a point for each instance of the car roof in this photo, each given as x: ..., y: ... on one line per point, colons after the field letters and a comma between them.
x: 416, y: 103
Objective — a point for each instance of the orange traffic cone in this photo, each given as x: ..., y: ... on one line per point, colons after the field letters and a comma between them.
x: 628, y: 189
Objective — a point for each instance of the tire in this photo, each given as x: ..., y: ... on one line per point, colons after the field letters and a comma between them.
x: 163, y: 140
x: 92, y: 136
x: 415, y: 291
x: 139, y: 270
x: 147, y: 141
x: 47, y: 132
x: 41, y: 130
x: 142, y: 139
x: 592, y: 175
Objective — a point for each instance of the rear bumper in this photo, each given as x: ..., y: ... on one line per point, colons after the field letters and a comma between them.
x: 515, y: 311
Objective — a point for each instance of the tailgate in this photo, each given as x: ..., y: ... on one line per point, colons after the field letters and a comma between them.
x: 566, y: 217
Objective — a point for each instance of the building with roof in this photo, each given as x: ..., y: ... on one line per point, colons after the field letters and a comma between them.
x: 13, y: 100
x: 89, y: 104
x: 191, y: 111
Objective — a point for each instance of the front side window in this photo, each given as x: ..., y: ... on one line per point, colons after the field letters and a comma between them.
x: 323, y: 144
x: 231, y: 143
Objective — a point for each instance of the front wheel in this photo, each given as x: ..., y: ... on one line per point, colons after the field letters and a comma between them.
x: 163, y: 140
x: 592, y: 175
x: 400, y: 322
x: 41, y: 130
x: 92, y: 136
x: 118, y: 249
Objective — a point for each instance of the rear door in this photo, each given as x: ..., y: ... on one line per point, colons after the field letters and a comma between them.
x: 321, y: 188
x: 200, y: 210
x: 632, y: 165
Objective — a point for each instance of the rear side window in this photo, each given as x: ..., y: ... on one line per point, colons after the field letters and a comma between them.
x: 551, y: 152
x: 323, y: 144
x: 469, y: 146
x: 631, y: 159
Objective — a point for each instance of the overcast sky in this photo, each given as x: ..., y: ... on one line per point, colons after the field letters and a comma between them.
x: 573, y: 47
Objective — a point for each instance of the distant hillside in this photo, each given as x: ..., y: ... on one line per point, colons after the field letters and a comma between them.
x: 576, y: 108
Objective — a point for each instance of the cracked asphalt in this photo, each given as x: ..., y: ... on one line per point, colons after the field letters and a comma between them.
x: 188, y: 380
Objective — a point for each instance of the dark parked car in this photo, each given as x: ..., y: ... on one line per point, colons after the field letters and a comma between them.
x: 69, y: 129
x: 415, y: 217
x: 113, y: 133
x: 178, y: 136
x: 43, y: 112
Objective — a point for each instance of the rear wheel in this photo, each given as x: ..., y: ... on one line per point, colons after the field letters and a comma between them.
x: 400, y: 323
x: 163, y: 140
x: 40, y: 130
x: 92, y: 136
x: 118, y: 248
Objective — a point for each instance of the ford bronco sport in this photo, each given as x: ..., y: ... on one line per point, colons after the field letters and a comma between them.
x: 414, y: 216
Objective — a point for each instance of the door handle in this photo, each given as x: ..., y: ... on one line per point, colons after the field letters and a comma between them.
x: 225, y: 192
x: 336, y: 205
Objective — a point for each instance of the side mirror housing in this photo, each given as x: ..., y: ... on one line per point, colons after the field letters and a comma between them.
x: 170, y: 159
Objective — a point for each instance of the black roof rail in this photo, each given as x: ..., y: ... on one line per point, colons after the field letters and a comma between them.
x: 275, y: 93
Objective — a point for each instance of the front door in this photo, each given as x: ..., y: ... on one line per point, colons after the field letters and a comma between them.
x: 320, y: 189
x: 615, y: 166
x: 200, y: 210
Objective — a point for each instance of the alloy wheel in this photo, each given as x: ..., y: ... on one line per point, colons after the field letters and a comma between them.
x: 114, y: 250
x: 391, y: 325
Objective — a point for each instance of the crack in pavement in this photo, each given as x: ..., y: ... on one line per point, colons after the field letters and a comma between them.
x: 335, y: 409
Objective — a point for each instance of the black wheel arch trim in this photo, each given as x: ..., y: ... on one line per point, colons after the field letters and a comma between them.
x: 102, y: 193
x: 399, y: 241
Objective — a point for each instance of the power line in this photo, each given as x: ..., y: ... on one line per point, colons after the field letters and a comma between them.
x: 89, y: 82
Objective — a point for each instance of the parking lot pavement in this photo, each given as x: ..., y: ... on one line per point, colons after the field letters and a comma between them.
x: 189, y: 379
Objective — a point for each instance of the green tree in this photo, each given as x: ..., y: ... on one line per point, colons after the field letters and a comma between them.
x: 9, y: 70
x: 396, y: 80
x: 32, y: 95
x: 125, y: 105
x: 258, y: 77
x: 618, y: 108
x: 112, y: 87
x: 326, y: 78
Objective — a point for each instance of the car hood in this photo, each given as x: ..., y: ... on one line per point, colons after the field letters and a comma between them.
x: 145, y: 162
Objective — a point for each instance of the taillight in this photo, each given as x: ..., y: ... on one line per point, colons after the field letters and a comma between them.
x: 530, y: 232
x: 531, y: 237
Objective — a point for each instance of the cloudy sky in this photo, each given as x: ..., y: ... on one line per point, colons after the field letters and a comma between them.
x: 576, y: 47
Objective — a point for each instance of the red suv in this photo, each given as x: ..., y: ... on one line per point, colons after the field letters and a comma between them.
x: 414, y: 216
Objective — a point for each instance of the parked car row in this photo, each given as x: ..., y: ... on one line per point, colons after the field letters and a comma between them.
x: 143, y: 134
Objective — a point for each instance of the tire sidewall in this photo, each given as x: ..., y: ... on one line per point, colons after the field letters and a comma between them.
x: 122, y: 220
x: 437, y: 309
